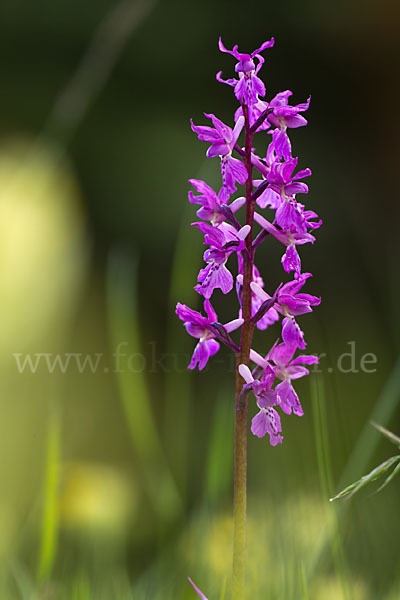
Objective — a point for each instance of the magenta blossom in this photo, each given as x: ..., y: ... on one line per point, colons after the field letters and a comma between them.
x: 288, y: 368
x: 211, y: 203
x: 223, y: 139
x: 200, y: 327
x: 291, y: 259
x: 282, y: 181
x: 223, y: 240
x: 267, y: 419
x: 282, y: 117
x: 249, y: 86
x: 291, y: 304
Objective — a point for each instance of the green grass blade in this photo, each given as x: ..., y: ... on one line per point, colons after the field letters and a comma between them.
x: 369, y: 478
x: 223, y: 589
x: 219, y: 471
x: 388, y: 434
x: 363, y: 450
x: 123, y: 319
x: 49, y: 526
x: 304, y: 583
x: 390, y: 477
x: 369, y: 439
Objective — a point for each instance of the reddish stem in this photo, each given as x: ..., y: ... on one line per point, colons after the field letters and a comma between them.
x: 240, y: 459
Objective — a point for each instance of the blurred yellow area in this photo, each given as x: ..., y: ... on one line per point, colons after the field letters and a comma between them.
x: 96, y: 499
x: 43, y: 244
x: 44, y: 253
x: 283, y: 541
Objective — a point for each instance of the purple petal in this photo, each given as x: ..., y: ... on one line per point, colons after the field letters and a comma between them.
x: 296, y: 187
x: 282, y: 144
x: 264, y: 46
x: 257, y: 359
x: 291, y: 260
x: 273, y: 424
x: 240, y: 88
x: 237, y: 204
x: 202, y: 353
x: 312, y: 300
x: 195, y: 330
x: 282, y: 354
x: 212, y: 315
x: 292, y: 287
x: 224, y: 131
x: 306, y: 359
x: 293, y: 121
x: 206, y: 134
x: 269, y: 198
x: 237, y: 130
x: 297, y: 371
x: 259, y: 87
x: 202, y: 187
x: 289, y: 400
x: 214, y: 276
x: 270, y: 317
x: 265, y: 398
x: 234, y: 51
x: 234, y: 324
x: 292, y: 334
x: 187, y: 315
x: 213, y: 236
x: 259, y: 424
x: 279, y: 235
x: 233, y: 170
x: 303, y: 173
x: 281, y: 99
x: 297, y: 306
x: 245, y: 373
x: 231, y: 82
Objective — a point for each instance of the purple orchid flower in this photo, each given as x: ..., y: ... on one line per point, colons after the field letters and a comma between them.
x: 223, y: 241
x: 223, y: 139
x: 291, y: 304
x: 280, y: 195
x: 288, y: 368
x: 267, y: 420
x: 249, y: 86
x: 199, y: 327
x: 284, y: 116
x: 291, y: 259
x: 211, y: 203
x: 283, y: 183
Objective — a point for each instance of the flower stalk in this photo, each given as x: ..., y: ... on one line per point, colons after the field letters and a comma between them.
x: 240, y: 443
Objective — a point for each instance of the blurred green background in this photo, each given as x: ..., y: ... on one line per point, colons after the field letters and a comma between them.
x: 116, y: 475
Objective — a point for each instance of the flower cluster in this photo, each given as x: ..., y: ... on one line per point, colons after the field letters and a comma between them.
x: 273, y: 208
